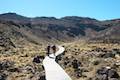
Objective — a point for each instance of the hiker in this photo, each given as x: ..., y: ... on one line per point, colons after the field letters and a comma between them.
x: 48, y: 50
x: 54, y: 49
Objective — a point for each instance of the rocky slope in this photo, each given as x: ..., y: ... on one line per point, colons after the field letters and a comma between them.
x: 63, y: 29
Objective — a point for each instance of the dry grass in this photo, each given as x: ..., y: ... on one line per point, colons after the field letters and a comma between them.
x: 23, y: 56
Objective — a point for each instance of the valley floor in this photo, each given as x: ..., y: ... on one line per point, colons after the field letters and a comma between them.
x: 81, y: 60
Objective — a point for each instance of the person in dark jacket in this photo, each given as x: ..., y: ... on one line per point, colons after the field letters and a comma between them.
x: 48, y: 50
x: 54, y: 49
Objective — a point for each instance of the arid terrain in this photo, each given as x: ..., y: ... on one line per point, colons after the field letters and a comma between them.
x: 92, y: 47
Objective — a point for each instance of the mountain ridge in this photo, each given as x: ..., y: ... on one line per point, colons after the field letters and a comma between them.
x: 67, y: 28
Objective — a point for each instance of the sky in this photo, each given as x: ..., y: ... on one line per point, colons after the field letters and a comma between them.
x: 98, y: 9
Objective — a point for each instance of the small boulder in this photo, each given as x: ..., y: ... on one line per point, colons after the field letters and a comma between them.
x: 107, y: 55
x: 2, y: 76
x: 38, y: 59
x: 107, y: 74
x: 113, y: 74
x: 6, y: 64
x: 76, y: 64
